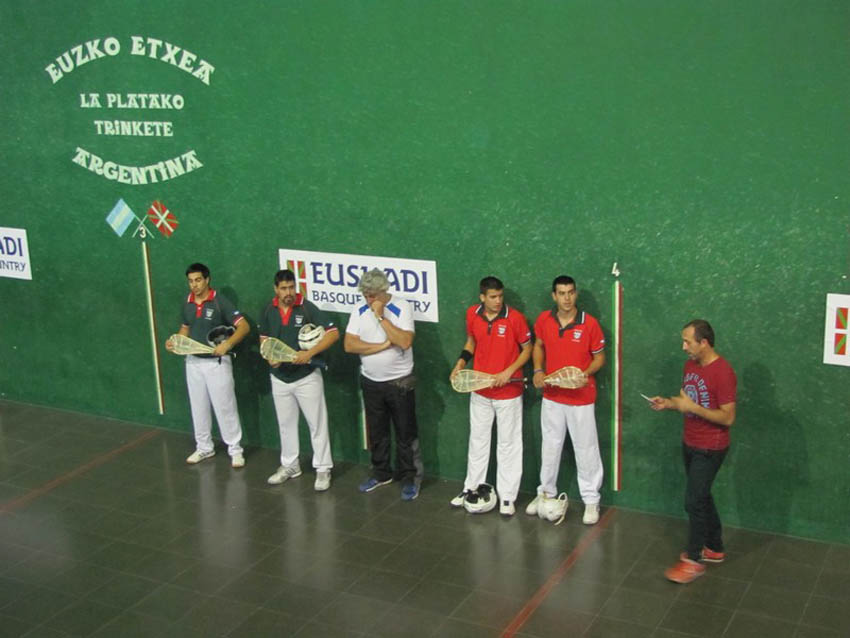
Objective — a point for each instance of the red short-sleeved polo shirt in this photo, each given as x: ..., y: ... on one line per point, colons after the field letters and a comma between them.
x: 497, y: 345
x: 572, y: 345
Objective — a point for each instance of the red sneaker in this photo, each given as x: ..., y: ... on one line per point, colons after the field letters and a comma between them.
x: 710, y: 556
x: 685, y: 571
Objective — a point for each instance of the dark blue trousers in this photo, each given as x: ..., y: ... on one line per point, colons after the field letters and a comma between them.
x: 701, y: 466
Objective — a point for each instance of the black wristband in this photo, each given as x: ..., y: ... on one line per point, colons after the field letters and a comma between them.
x: 466, y: 355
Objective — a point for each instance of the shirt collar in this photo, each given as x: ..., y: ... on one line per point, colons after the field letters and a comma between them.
x: 503, y: 313
x: 299, y: 300
x: 191, y: 298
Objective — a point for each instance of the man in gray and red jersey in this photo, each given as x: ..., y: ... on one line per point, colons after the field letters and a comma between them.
x: 298, y: 386
x: 209, y: 377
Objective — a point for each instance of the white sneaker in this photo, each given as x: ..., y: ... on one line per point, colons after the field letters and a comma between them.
x: 197, y: 456
x: 506, y: 508
x: 283, y: 474
x: 237, y: 461
x: 591, y: 514
x: 459, y: 500
x: 531, y: 508
x: 323, y: 480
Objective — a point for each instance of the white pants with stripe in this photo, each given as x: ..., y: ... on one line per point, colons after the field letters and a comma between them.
x: 508, y: 415
x: 210, y: 383
x: 308, y: 394
x: 580, y: 420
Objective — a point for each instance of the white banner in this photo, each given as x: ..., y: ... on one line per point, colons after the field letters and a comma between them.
x: 330, y: 280
x: 14, y: 254
x: 836, y: 349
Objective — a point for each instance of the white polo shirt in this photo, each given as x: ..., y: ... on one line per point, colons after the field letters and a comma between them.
x: 392, y: 363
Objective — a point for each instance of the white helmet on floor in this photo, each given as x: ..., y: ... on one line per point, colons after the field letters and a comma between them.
x: 481, y: 500
x: 553, y: 509
x: 310, y: 335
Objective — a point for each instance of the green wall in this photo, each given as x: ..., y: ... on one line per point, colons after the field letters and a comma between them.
x: 703, y: 146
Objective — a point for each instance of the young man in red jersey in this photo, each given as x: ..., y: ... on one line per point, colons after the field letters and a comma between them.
x: 707, y: 399
x: 567, y: 336
x: 498, y: 342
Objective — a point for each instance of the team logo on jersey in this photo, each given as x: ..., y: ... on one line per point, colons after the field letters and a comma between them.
x: 502, y: 330
x: 208, y: 313
x: 299, y: 320
x: 576, y: 335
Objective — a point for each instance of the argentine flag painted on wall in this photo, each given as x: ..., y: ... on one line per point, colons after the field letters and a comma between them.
x: 120, y: 217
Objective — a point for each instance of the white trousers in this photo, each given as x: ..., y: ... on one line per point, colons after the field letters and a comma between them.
x: 210, y: 383
x: 308, y: 394
x: 555, y: 419
x: 508, y: 414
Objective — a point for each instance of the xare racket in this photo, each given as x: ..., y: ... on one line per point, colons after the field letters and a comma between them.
x: 473, y: 380
x: 184, y: 345
x: 276, y: 351
x: 568, y: 377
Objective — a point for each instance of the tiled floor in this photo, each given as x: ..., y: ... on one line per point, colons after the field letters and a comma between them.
x: 104, y: 531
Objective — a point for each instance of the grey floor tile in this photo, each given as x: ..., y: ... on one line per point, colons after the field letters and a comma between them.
x: 400, y: 621
x: 383, y: 585
x: 169, y: 602
x: 833, y: 584
x: 11, y: 627
x: 130, y: 624
x: 39, y: 605
x: 214, y: 617
x: 641, y: 608
x: 697, y: 619
x: 350, y: 611
x: 267, y: 622
x: 413, y: 561
x: 435, y: 596
x: 787, y: 574
x: 123, y: 591
x: 775, y: 602
x: 712, y: 590
x: 579, y: 595
x: 456, y: 628
x: 613, y: 628
x: 798, y: 550
x: 300, y: 600
x: 83, y: 617
x: 489, y: 610
x: 550, y: 622
x: 744, y: 625
x: 828, y: 613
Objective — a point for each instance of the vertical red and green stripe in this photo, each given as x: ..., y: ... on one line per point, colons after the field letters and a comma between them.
x: 616, y: 386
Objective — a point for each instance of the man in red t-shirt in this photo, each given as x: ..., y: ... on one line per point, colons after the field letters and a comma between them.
x: 498, y: 339
x: 567, y: 336
x: 707, y: 399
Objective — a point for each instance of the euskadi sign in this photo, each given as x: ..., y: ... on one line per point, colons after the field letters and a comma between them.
x: 14, y: 254
x: 330, y: 280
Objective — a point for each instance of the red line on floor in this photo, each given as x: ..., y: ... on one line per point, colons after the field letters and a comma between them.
x: 540, y: 595
x: 52, y: 484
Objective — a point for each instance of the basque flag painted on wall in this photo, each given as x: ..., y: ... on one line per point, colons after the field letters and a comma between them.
x: 841, y: 315
x: 162, y: 218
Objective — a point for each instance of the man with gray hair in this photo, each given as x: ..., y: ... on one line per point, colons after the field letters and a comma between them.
x: 381, y: 331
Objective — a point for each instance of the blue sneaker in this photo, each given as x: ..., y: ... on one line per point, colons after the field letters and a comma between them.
x: 409, y: 491
x: 372, y: 484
